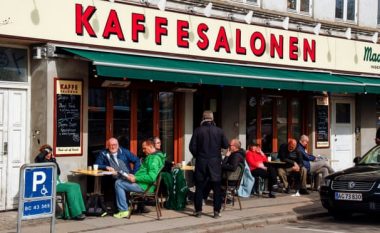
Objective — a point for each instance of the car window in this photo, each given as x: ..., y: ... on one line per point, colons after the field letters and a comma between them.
x: 372, y: 156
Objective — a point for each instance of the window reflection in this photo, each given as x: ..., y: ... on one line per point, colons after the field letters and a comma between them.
x: 144, y: 117
x: 251, y: 120
x: 282, y: 121
x: 167, y: 123
x: 266, y: 124
x: 296, y: 118
x: 121, y: 116
x: 96, y: 120
x: 13, y: 64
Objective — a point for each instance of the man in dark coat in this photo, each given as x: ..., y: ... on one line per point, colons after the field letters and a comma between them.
x: 294, y: 164
x: 205, y: 145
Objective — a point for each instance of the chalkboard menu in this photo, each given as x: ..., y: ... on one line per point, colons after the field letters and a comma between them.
x: 68, y: 117
x: 322, y: 125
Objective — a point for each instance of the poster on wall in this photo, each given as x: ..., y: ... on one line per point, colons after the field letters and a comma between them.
x: 68, y: 118
x: 322, y: 124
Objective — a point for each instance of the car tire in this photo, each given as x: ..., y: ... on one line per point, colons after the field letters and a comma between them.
x: 340, y: 215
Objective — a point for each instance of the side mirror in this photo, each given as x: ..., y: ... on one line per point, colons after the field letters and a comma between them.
x: 357, y: 159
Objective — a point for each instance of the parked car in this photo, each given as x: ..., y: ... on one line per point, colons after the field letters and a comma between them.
x: 356, y: 189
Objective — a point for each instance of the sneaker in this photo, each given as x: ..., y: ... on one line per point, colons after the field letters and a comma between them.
x: 123, y: 214
x: 80, y: 217
x: 287, y: 190
x: 197, y: 214
x: 304, y: 192
x: 297, y: 194
x: 217, y: 214
x: 271, y: 195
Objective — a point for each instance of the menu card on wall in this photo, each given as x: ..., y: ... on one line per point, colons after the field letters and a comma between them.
x: 68, y: 117
x: 322, y: 125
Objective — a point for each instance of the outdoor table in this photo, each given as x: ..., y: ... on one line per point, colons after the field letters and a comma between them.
x: 97, y: 174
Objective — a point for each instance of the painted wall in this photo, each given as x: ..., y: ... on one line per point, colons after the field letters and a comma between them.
x: 366, y: 120
x: 367, y: 13
x: 275, y: 5
x: 43, y: 74
x: 324, y: 10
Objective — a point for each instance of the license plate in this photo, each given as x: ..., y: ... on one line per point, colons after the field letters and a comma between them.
x: 348, y: 196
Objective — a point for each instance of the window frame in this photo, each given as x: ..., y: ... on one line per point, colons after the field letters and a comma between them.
x: 378, y: 13
x: 298, y: 8
x: 345, y: 10
x: 257, y: 3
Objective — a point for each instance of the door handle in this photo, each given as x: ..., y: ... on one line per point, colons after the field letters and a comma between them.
x: 5, y: 148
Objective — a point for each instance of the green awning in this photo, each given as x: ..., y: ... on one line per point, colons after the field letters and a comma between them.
x: 372, y: 85
x: 201, y: 72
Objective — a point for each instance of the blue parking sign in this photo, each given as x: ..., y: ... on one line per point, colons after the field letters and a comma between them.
x: 39, y: 182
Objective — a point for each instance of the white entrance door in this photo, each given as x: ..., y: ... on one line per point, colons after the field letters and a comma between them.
x: 12, y: 144
x: 342, y: 135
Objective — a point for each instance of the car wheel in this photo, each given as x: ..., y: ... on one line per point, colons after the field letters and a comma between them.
x: 340, y: 215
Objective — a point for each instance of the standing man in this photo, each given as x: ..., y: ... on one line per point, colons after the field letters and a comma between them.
x: 313, y: 164
x: 108, y: 158
x: 206, y: 145
x: 145, y: 176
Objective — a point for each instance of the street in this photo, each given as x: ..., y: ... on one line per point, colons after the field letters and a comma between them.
x: 356, y: 224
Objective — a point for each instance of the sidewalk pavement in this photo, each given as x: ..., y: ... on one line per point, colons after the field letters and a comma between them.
x: 257, y: 211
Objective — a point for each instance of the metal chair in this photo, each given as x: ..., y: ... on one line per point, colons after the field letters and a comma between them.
x: 145, y: 197
x: 232, y: 184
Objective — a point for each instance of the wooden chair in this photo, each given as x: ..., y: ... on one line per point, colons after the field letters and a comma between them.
x: 146, y: 197
x: 231, y: 185
x: 61, y: 198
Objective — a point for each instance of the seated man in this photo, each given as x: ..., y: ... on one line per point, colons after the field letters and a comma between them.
x: 256, y: 159
x: 234, y: 156
x: 108, y: 158
x: 145, y: 176
x: 294, y: 164
x: 313, y: 165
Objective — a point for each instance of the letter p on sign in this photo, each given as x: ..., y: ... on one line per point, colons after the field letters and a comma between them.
x: 38, y: 178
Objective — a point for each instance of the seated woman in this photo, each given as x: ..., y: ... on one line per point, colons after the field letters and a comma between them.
x: 74, y: 206
x: 256, y: 159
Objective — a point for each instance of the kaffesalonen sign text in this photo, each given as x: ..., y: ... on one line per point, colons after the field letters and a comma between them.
x: 257, y: 44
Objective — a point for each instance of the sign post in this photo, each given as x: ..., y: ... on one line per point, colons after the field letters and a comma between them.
x: 37, y: 193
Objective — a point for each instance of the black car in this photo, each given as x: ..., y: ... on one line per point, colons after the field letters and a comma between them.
x: 356, y: 189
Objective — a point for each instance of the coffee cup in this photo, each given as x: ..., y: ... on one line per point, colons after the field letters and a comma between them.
x: 95, y: 167
x: 183, y: 163
x: 89, y: 168
x: 269, y: 158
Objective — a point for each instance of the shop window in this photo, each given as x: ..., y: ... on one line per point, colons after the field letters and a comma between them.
x: 296, y: 125
x: 121, y: 116
x: 167, y: 123
x: 282, y: 120
x: 96, y: 121
x: 13, y: 64
x: 144, y: 117
x: 251, y: 120
x: 266, y: 123
x: 255, y: 2
x: 300, y: 6
x: 345, y: 10
x: 343, y: 113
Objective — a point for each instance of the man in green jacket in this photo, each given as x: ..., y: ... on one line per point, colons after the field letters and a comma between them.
x: 145, y: 176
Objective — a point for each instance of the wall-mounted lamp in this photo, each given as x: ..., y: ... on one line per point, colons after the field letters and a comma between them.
x: 347, y: 34
x: 375, y: 37
x: 317, y: 29
x: 248, y: 17
x: 207, y: 10
x: 285, y: 23
x: 161, y: 4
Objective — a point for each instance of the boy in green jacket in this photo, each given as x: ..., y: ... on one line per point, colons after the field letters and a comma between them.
x: 139, y: 182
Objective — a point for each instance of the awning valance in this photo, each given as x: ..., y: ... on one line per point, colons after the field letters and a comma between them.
x: 201, y: 72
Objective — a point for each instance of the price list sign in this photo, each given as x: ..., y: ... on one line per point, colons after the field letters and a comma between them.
x: 68, y: 117
x: 322, y: 123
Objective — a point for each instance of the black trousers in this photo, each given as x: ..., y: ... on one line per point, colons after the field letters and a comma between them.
x: 270, y: 174
x: 200, y: 187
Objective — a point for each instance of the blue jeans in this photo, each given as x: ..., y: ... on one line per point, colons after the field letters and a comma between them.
x: 121, y: 187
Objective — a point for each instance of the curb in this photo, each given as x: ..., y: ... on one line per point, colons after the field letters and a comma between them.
x: 245, y: 223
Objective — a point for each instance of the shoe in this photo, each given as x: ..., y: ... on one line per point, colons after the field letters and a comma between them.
x: 197, y: 214
x: 80, y: 217
x: 123, y: 214
x: 287, y: 190
x: 217, y: 214
x: 304, y: 192
x: 271, y: 195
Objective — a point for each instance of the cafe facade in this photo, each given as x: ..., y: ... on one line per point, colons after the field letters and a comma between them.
x: 74, y: 73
